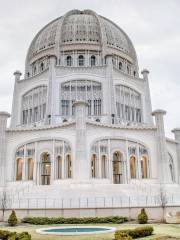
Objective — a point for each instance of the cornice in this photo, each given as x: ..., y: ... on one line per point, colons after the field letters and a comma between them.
x: 118, y: 126
x: 40, y: 128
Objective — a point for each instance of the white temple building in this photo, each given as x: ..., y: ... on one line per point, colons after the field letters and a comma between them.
x: 82, y: 134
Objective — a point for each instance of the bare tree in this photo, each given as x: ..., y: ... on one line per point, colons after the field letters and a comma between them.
x: 3, y: 202
x: 163, y: 200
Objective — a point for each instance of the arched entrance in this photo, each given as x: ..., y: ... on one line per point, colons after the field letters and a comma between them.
x: 19, y: 167
x: 117, y: 167
x: 59, y: 167
x: 45, y: 169
x: 68, y: 166
x: 133, y: 166
x: 94, y: 166
x: 104, y: 166
x: 144, y: 167
x: 30, y: 169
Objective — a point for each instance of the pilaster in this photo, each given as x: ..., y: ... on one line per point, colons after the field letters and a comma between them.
x: 51, y: 83
x: 161, y: 146
x: 176, y: 132
x: 147, y: 98
x: 109, y: 105
x: 81, y: 163
x: 14, y: 118
x: 3, y: 125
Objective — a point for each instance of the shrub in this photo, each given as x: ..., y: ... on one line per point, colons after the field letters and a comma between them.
x: 12, y: 220
x: 122, y: 236
x: 61, y: 220
x: 7, y: 235
x: 135, y: 233
x: 142, y: 217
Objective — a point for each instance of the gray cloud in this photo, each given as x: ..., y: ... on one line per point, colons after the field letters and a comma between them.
x: 152, y: 25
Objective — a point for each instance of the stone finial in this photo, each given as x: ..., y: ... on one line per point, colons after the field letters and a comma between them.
x: 109, y: 59
x: 145, y: 73
x: 5, y: 114
x: 158, y: 111
x: 176, y: 132
x: 17, y: 75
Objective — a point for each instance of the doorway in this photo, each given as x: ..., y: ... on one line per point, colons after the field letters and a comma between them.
x: 45, y: 169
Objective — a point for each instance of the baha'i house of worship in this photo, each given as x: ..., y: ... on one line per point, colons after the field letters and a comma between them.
x: 83, y: 139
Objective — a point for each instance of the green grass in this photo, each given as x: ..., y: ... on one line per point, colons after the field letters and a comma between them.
x: 159, y: 230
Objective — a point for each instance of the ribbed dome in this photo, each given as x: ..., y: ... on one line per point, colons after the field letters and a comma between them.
x: 84, y: 28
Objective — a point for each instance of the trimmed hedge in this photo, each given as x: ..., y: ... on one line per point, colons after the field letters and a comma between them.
x: 12, y: 220
x: 142, y: 217
x: 123, y: 236
x: 134, y: 233
x: 61, y: 220
x: 7, y: 235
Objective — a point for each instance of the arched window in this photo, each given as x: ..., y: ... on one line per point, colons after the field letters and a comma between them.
x: 34, y: 105
x: 45, y: 169
x: 30, y: 169
x: 68, y: 166
x: 128, y: 70
x: 134, y: 73
x: 133, y: 166
x: 69, y: 61
x: 19, y: 166
x: 72, y: 91
x: 81, y: 60
x: 104, y: 166
x: 117, y: 167
x: 120, y: 65
x: 42, y: 66
x: 144, y: 167
x: 59, y: 167
x: 94, y: 166
x: 128, y: 111
x: 93, y: 60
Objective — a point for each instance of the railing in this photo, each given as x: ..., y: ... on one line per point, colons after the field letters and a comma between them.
x: 95, y: 202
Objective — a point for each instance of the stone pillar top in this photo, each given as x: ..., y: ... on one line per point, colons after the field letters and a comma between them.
x: 158, y: 111
x: 17, y: 75
x: 145, y: 71
x: 108, y: 58
x: 53, y: 59
x: 176, y: 130
x: 6, y: 114
x: 17, y: 72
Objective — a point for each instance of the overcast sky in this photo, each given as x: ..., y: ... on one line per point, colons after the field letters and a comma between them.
x: 152, y: 25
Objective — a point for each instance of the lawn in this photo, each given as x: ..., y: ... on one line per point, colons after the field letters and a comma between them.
x: 159, y: 230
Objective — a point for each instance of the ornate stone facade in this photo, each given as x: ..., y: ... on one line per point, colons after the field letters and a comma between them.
x: 82, y: 121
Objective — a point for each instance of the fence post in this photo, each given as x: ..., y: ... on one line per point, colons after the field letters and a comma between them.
x: 70, y: 202
x: 146, y: 200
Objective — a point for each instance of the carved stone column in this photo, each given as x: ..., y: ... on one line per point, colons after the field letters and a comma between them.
x: 108, y: 89
x: 176, y: 132
x: 148, y: 106
x: 162, y: 156
x: 50, y: 102
x: 3, y: 125
x: 81, y: 161
x: 16, y: 116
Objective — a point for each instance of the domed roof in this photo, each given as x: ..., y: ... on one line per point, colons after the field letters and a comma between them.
x: 81, y: 28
